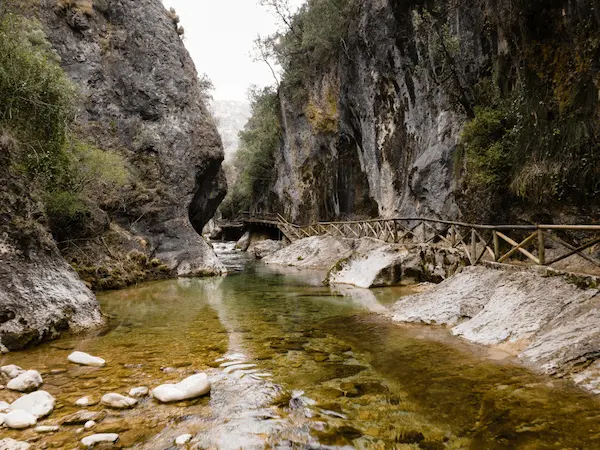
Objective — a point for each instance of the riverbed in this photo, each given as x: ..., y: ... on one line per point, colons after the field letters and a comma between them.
x: 295, y: 364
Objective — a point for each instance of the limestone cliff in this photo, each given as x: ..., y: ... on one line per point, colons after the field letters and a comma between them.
x: 142, y: 99
x: 378, y: 128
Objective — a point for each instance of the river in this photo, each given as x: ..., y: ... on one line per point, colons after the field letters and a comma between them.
x: 295, y: 364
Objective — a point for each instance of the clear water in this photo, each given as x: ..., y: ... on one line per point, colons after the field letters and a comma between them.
x: 321, y: 370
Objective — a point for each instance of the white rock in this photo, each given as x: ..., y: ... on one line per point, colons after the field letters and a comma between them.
x: 238, y: 367
x: 2, y: 416
x: 11, y: 444
x: 118, y: 401
x: 183, y: 439
x: 90, y: 441
x: 84, y: 401
x: 139, y: 392
x: 11, y: 371
x: 191, y: 387
x: 47, y: 429
x: 89, y: 424
x: 25, y: 382
x: 86, y: 360
x: 38, y: 404
x: 19, y: 419
x: 4, y: 407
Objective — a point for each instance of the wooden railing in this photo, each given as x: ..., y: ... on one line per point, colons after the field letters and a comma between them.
x: 500, y: 243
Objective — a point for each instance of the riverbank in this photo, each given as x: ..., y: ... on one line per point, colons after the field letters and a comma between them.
x: 548, y: 319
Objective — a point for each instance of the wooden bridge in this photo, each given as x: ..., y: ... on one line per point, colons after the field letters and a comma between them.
x: 499, y: 243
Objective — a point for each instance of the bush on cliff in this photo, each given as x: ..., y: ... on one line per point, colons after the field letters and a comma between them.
x: 37, y: 108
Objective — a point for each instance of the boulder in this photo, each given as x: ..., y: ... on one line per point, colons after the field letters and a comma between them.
x: 139, y: 392
x: 86, y: 360
x: 11, y: 371
x: 317, y: 252
x: 244, y: 242
x: 263, y: 249
x: 117, y: 401
x: 381, y: 266
x: 26, y: 382
x: 38, y: 404
x: 11, y: 444
x: 191, y: 387
x: 19, y: 419
x: 90, y: 441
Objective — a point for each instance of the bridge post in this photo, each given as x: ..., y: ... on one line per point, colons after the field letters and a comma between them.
x: 541, y: 248
x: 395, y: 232
x: 473, y: 246
x: 496, y: 246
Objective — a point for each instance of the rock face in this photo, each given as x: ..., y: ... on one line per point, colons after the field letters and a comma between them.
x: 142, y: 99
x: 551, y: 322
x: 263, y: 249
x: 318, y: 252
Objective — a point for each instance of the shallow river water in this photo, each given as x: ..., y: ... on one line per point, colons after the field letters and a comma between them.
x: 295, y: 364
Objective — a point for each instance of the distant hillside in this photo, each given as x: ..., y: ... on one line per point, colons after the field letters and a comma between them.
x: 231, y: 117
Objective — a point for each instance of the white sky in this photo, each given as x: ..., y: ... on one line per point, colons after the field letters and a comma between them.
x: 219, y: 36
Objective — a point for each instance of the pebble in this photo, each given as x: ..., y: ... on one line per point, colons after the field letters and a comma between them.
x: 18, y: 419
x: 117, y: 401
x: 11, y: 444
x: 89, y: 424
x: 11, y: 371
x: 86, y: 360
x: 47, y: 429
x: 38, y: 404
x: 139, y: 392
x: 26, y: 381
x: 191, y: 387
x: 86, y: 401
x: 183, y: 439
x: 90, y: 441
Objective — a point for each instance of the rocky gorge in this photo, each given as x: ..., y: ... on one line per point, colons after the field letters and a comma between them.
x: 138, y: 98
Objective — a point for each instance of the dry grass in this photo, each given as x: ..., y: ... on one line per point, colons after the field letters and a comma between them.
x: 85, y: 7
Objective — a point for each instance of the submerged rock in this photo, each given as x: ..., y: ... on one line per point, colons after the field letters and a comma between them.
x: 117, y: 401
x: 11, y: 444
x: 86, y: 401
x: 38, y: 404
x: 139, y: 392
x: 81, y: 417
x: 90, y: 441
x: 191, y: 387
x: 19, y: 419
x: 183, y: 439
x: 11, y: 371
x: 25, y: 382
x: 86, y: 360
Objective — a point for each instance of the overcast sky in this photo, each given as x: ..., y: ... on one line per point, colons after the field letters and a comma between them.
x: 219, y: 36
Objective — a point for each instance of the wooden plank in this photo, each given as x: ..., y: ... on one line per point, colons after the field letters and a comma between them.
x: 496, y: 245
x: 541, y: 247
x: 518, y: 247
x: 574, y: 250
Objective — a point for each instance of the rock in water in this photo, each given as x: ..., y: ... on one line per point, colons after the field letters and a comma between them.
x: 139, y: 392
x: 26, y: 382
x: 89, y: 425
x: 86, y: 401
x: 94, y: 439
x: 47, y: 429
x: 19, y: 419
x: 11, y: 371
x: 38, y: 404
x: 118, y: 401
x: 81, y: 417
x: 86, y: 360
x: 191, y: 387
x: 4, y: 407
x: 183, y: 439
x: 11, y: 444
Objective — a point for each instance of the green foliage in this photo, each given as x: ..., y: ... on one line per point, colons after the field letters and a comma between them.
x: 255, y: 158
x: 37, y: 108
